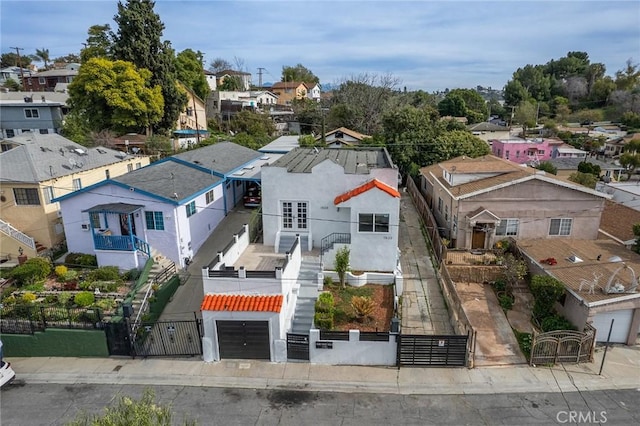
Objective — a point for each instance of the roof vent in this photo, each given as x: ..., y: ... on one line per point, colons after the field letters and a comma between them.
x: 574, y: 259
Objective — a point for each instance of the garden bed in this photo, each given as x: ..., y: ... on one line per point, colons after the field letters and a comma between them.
x: 378, y: 320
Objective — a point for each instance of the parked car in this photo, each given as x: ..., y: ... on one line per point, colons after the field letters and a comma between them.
x: 253, y: 198
x: 6, y: 373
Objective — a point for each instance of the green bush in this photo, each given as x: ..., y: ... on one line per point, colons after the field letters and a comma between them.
x: 524, y: 341
x: 81, y: 259
x: 37, y: 286
x: 61, y: 271
x: 28, y: 297
x: 327, y: 281
x: 506, y: 301
x: 546, y: 290
x: 105, y: 304
x: 324, y: 303
x: 556, y: 322
x: 131, y: 275
x: 84, y: 298
x: 104, y: 273
x: 71, y: 275
x: 499, y: 285
x: 64, y: 298
x: 323, y: 320
x: 34, y: 269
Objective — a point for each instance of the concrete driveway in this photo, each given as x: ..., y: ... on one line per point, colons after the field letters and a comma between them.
x: 495, y: 342
x: 185, y: 304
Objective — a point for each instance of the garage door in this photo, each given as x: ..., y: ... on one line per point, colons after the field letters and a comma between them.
x: 621, y: 325
x: 243, y: 339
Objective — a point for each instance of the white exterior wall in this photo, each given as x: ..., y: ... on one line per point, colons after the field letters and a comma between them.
x: 319, y: 190
x: 353, y: 351
x: 194, y: 230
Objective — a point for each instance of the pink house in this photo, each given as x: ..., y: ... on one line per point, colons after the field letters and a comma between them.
x: 524, y: 151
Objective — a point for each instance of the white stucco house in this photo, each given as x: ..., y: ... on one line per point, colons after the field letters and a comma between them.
x: 333, y: 198
x: 169, y: 207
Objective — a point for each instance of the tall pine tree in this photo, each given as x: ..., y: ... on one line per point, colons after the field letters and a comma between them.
x: 138, y: 40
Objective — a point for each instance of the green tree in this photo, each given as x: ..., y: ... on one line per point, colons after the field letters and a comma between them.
x: 137, y: 40
x: 299, y: 73
x: 585, y: 179
x: 43, y: 55
x: 11, y: 84
x: 76, y: 128
x: 115, y: 95
x: 630, y: 162
x: 256, y: 124
x: 69, y: 58
x: 10, y: 59
x: 546, y: 291
x: 601, y: 91
x: 219, y: 64
x: 525, y: 115
x: 587, y: 167
x: 631, y: 119
x: 143, y: 412
x: 452, y: 105
x: 98, y: 43
x: 548, y: 167
x: 306, y: 141
x: 190, y: 72
x: 475, y: 106
x: 230, y: 83
x: 515, y: 93
x: 341, y: 264
x: 629, y: 77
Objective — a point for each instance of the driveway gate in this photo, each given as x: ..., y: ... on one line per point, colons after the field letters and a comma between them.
x: 562, y: 346
x: 169, y: 338
x: 432, y: 351
x: 298, y: 346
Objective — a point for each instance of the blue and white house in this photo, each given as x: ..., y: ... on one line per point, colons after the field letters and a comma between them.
x: 169, y: 207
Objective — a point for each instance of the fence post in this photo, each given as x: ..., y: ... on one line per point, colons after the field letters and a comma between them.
x: 533, y: 345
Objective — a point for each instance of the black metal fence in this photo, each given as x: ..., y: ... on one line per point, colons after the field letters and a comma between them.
x: 168, y: 338
x: 297, y: 346
x: 28, y: 319
x: 432, y: 351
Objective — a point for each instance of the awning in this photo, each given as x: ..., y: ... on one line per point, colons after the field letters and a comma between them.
x: 114, y: 208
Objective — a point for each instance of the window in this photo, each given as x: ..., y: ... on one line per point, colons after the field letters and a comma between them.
x: 508, y: 227
x: 191, y: 208
x: 107, y: 174
x: 94, y: 217
x: 129, y: 167
x: 42, y: 80
x: 138, y: 166
x: 31, y: 113
x: 77, y: 184
x: 10, y: 133
x: 210, y: 197
x: 560, y: 226
x: 369, y: 222
x: 44, y: 131
x: 26, y: 196
x: 439, y: 204
x: 517, y: 154
x: 154, y: 220
x: 48, y: 194
x: 446, y: 213
x: 506, y: 155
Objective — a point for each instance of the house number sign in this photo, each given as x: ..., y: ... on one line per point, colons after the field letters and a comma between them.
x: 324, y: 345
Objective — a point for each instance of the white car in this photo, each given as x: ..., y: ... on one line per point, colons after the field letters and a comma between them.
x: 6, y: 373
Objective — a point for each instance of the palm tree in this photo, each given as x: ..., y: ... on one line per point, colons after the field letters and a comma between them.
x: 43, y: 55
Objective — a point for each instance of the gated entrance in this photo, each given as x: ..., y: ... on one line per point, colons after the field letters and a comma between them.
x: 169, y: 338
x: 432, y: 351
x: 562, y: 346
x: 297, y: 346
x: 244, y: 339
x: 118, y: 341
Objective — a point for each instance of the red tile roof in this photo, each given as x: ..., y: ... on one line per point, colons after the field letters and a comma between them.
x: 237, y: 302
x: 375, y: 183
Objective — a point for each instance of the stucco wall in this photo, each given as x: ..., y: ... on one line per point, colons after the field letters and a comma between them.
x: 353, y: 351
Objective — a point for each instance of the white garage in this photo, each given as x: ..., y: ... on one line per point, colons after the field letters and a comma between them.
x: 621, y: 325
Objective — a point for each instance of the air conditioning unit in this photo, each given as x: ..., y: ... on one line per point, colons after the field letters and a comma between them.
x: 85, y: 226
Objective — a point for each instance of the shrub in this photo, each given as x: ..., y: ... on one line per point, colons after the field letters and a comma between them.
x: 546, y: 290
x: 71, y: 275
x: 81, y: 259
x: 556, y: 322
x: 61, y: 271
x: 64, y: 298
x: 341, y: 264
x: 28, y: 297
x: 324, y: 303
x: 131, y: 275
x: 9, y: 300
x: 106, y: 304
x: 51, y: 298
x: 323, y: 320
x: 362, y: 305
x: 327, y: 281
x: 34, y: 269
x: 84, y: 298
x: 36, y: 287
x: 524, y: 341
x: 104, y: 273
x: 506, y: 301
x: 499, y: 285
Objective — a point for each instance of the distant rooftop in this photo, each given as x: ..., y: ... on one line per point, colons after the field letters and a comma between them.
x: 354, y: 161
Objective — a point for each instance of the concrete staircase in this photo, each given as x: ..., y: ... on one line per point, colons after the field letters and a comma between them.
x: 286, y: 241
x: 160, y: 264
x: 307, y: 295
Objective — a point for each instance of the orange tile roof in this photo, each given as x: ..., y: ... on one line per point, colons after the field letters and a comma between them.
x: 375, y: 183
x: 238, y: 302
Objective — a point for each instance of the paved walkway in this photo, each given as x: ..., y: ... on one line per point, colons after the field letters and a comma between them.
x: 423, y: 307
x: 621, y: 371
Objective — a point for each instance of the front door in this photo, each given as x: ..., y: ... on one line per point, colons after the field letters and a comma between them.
x: 294, y: 215
x: 125, y: 221
x: 477, y: 240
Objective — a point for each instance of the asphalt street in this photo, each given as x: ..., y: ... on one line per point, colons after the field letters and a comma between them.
x: 55, y: 404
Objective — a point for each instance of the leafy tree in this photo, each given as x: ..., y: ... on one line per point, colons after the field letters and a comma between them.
x: 515, y: 93
x: 526, y: 116
x: 631, y: 119
x: 43, y: 55
x: 98, y: 43
x: 587, y: 167
x: 137, y: 40
x: 69, y: 58
x: 143, y: 412
x: 341, y: 264
x: 514, y: 270
x: 256, y: 124
x: 189, y: 71
x: 10, y: 59
x: 115, y: 95
x: 230, y: 83
x: 575, y: 63
x: 548, y: 167
x: 452, y: 105
x: 76, y: 128
x: 546, y: 291
x: 298, y: 73
x: 476, y: 106
x: 11, y: 84
x: 219, y: 64
x: 629, y: 77
x: 309, y: 114
x: 159, y: 145
x: 601, y: 91
x: 533, y: 79
x: 495, y: 108
x: 306, y: 141
x: 585, y: 179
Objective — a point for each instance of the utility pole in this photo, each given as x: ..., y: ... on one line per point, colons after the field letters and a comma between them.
x: 18, y: 49
x: 260, y: 69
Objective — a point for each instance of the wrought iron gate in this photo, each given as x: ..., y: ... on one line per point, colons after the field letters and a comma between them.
x: 563, y: 346
x: 118, y: 340
x: 168, y: 338
x: 298, y: 346
x: 432, y: 351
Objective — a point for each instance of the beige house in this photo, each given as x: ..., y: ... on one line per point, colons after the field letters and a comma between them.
x: 478, y: 201
x: 600, y: 278
x: 342, y: 137
x: 287, y: 91
x: 194, y: 115
x: 34, y: 169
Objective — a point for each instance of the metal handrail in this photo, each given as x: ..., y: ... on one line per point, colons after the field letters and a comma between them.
x: 16, y: 234
x: 330, y: 240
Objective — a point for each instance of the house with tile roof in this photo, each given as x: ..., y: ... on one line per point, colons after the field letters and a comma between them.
x: 333, y: 198
x: 37, y: 168
x: 341, y: 137
x: 600, y: 279
x: 169, y: 207
x: 478, y: 201
x: 287, y: 91
x: 617, y: 223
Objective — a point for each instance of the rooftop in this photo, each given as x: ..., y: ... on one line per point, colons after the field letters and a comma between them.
x: 354, y: 161
x: 236, y: 302
x: 222, y: 157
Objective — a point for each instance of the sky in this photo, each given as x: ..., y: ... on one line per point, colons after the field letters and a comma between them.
x: 427, y: 45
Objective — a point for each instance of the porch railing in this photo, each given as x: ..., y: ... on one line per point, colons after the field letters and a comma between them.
x: 121, y: 243
x: 330, y: 240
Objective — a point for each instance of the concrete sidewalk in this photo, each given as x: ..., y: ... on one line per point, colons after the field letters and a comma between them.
x: 621, y: 371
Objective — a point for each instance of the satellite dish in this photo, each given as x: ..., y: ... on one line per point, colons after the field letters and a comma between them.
x: 72, y: 161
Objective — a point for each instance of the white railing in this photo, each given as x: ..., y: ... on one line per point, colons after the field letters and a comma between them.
x: 17, y: 235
